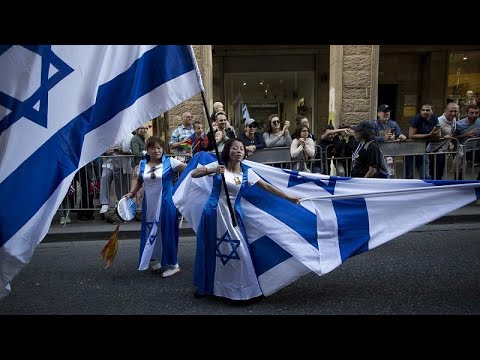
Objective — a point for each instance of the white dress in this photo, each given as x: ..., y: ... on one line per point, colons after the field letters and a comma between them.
x: 235, y: 276
x: 151, y: 244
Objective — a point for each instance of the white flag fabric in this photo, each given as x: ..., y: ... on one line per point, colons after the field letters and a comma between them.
x: 60, y: 108
x: 337, y: 219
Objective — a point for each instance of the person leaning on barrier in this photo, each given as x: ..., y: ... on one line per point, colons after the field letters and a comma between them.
x: 422, y: 127
x: 273, y: 136
x: 179, y: 137
x: 324, y: 148
x: 468, y: 128
x: 344, y: 144
x: 447, y: 123
x: 301, y: 119
x: 250, y: 138
x: 385, y: 128
x: 302, y: 148
x: 221, y: 133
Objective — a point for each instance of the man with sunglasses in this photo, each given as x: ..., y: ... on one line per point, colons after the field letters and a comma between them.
x: 250, y: 138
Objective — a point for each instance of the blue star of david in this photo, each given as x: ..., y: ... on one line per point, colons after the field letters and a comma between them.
x: 26, y: 108
x: 234, y: 244
x: 296, y: 179
x: 151, y: 237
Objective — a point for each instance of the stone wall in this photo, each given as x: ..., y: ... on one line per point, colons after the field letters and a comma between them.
x: 359, y: 75
x: 195, y: 104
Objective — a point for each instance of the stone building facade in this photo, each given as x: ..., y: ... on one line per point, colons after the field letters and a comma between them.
x: 337, y: 82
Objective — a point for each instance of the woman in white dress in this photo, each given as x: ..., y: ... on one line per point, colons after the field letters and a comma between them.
x: 233, y: 276
x: 159, y: 234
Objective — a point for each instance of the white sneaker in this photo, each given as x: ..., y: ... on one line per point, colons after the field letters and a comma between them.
x: 104, y: 209
x: 156, y: 267
x: 171, y: 271
x: 62, y: 220
x: 68, y: 220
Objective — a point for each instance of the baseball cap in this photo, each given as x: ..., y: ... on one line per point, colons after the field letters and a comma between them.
x: 384, y: 108
x: 249, y: 121
x: 364, y: 125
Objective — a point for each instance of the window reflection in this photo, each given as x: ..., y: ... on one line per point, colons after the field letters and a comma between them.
x: 464, y: 79
x: 266, y: 93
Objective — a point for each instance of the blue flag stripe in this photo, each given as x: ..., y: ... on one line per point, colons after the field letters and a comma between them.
x: 304, y: 222
x: 39, y: 176
x: 266, y: 254
x: 353, y: 226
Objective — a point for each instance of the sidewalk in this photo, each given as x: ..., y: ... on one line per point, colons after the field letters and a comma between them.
x: 102, y: 230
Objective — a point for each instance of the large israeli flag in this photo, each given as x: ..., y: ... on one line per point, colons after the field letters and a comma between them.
x: 337, y: 219
x: 60, y: 108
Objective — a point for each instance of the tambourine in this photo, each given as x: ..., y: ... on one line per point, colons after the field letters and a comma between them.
x: 126, y: 209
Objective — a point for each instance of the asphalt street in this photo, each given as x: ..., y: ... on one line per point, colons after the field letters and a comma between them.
x: 433, y: 270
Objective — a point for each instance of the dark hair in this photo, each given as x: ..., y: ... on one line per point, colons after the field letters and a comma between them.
x: 225, y: 155
x: 299, y: 118
x: 153, y: 140
x: 427, y: 104
x: 367, y: 134
x: 472, y: 107
x: 220, y: 113
x: 298, y: 131
x: 328, y: 127
x: 268, y: 125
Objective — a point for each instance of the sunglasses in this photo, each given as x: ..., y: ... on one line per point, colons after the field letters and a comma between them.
x: 253, y: 125
x: 275, y: 122
x: 152, y: 173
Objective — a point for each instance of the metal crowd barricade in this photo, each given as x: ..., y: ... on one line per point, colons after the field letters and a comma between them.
x: 401, y: 153
x: 470, y: 147
x: 275, y: 156
x: 280, y: 157
x: 85, y: 189
x: 115, y: 172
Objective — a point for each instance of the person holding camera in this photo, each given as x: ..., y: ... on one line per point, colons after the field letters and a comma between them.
x: 446, y: 128
x: 422, y: 127
x: 385, y: 128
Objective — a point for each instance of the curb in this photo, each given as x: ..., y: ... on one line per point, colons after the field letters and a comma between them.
x: 135, y: 233
x: 102, y: 235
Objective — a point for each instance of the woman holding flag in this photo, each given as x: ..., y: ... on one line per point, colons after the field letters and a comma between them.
x: 223, y: 264
x: 159, y: 232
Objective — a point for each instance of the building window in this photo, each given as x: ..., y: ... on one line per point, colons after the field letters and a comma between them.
x: 464, y: 79
x: 266, y: 93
